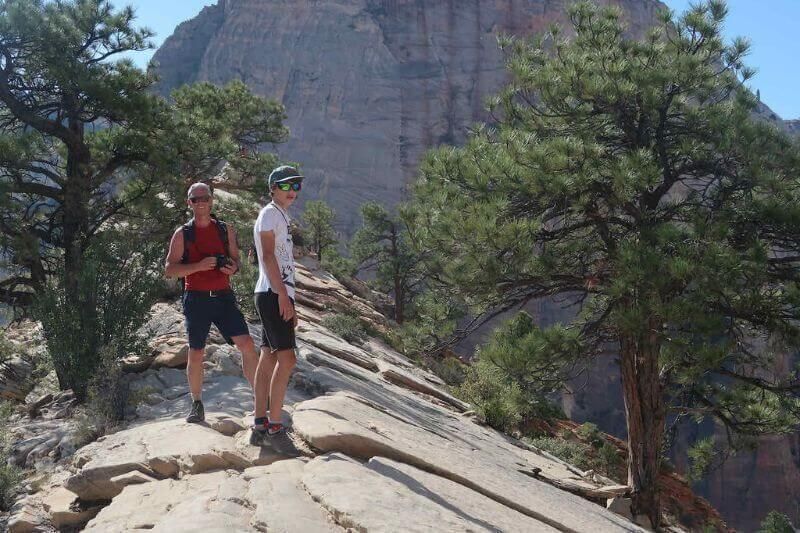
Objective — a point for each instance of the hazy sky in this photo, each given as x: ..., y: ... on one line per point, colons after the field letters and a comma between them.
x: 770, y: 25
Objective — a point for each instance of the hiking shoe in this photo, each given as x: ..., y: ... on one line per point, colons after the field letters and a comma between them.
x: 197, y: 413
x: 258, y: 432
x: 257, y: 437
x: 281, y: 443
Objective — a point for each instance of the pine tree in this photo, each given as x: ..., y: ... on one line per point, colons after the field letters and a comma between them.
x: 629, y: 178
x: 381, y: 244
x: 318, y: 226
x: 86, y: 147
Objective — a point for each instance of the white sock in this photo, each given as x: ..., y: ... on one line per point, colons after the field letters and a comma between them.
x: 198, y: 398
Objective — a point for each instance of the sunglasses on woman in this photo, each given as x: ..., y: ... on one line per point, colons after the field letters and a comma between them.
x: 294, y: 186
x: 201, y: 199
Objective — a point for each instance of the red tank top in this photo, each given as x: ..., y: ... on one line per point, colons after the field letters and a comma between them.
x: 207, y: 242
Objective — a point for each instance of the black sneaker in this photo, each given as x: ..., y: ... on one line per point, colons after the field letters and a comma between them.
x: 197, y: 413
x: 281, y: 443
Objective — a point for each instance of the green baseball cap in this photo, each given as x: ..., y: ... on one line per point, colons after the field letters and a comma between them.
x: 283, y: 174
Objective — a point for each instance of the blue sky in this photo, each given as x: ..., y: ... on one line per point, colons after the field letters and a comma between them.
x: 769, y: 24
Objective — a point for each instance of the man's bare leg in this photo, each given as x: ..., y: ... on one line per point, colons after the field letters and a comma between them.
x: 244, y: 343
x: 280, y: 382
x: 264, y: 371
x: 194, y: 374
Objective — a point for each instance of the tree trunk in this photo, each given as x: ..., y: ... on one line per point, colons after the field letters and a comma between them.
x: 645, y: 415
x: 75, y: 209
x: 399, y: 303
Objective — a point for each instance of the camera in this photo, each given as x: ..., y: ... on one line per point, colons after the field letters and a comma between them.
x: 222, y: 261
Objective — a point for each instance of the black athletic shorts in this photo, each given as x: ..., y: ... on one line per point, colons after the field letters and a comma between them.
x: 202, y: 309
x: 276, y: 333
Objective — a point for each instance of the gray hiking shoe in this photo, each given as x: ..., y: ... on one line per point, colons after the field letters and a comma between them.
x: 258, y: 432
x: 257, y: 437
x: 281, y: 442
x: 197, y: 414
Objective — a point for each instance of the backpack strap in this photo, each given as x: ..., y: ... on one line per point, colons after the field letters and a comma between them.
x: 223, y: 234
x: 188, y: 236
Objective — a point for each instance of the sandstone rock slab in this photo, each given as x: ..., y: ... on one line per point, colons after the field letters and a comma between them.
x: 367, y: 497
x: 204, y: 502
x: 64, y: 509
x: 321, y: 338
x: 409, y: 379
x: 475, y: 457
x: 281, y: 503
x: 157, y: 449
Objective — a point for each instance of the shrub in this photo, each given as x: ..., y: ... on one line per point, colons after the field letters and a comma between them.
x: 347, y: 327
x: 7, y: 349
x: 10, y: 476
x: 609, y: 459
x: 776, y: 522
x: 450, y: 369
x: 118, y: 286
x: 496, y: 400
x: 107, y: 398
x: 339, y: 266
x: 244, y: 284
x: 510, y: 382
x: 590, y: 433
x: 574, y: 453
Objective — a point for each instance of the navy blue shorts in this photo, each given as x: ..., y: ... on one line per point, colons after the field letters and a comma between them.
x: 277, y: 334
x: 201, y: 310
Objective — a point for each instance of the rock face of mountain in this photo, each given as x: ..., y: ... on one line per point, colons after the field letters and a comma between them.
x: 368, y: 85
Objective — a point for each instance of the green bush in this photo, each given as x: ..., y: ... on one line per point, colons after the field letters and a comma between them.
x: 244, y: 284
x: 609, y: 459
x: 512, y: 378
x: 590, y: 433
x: 10, y: 476
x: 7, y: 349
x: 108, y: 396
x: 776, y: 522
x: 347, y: 327
x: 339, y: 266
x: 118, y: 286
x: 496, y: 400
x: 574, y: 453
x: 450, y: 369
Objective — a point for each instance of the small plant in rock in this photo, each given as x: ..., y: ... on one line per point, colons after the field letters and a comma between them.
x: 347, y: 327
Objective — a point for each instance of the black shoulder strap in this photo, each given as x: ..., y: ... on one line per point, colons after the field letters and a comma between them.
x: 188, y: 236
x: 223, y: 234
